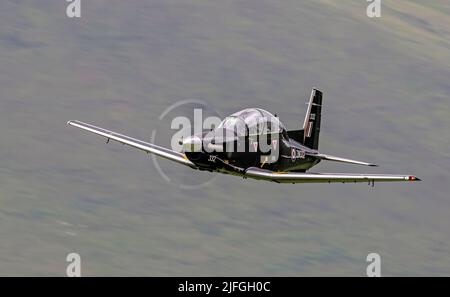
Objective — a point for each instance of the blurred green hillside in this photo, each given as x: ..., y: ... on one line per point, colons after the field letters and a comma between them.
x: 386, y: 100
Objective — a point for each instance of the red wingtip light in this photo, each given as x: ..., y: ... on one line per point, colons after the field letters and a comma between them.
x: 413, y: 178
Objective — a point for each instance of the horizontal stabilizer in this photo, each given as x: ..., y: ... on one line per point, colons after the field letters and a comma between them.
x: 343, y: 160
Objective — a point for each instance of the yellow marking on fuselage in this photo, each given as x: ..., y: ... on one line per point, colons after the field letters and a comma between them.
x: 265, y: 160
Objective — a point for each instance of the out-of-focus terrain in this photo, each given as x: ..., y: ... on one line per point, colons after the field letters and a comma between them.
x: 386, y: 86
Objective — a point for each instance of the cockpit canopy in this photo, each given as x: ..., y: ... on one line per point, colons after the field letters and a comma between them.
x: 252, y: 121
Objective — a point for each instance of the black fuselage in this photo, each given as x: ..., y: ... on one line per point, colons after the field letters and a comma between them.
x: 290, y: 155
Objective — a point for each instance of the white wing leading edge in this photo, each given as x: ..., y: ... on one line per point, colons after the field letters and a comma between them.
x: 306, y: 177
x: 136, y: 143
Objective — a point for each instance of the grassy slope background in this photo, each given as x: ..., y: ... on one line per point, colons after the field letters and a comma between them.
x: 386, y: 85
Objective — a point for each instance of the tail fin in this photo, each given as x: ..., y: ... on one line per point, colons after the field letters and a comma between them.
x: 311, y: 125
x: 309, y: 135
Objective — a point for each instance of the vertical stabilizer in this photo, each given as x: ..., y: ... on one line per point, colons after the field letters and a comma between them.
x: 311, y: 124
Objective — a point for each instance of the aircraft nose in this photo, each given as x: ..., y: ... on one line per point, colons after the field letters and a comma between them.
x: 192, y: 144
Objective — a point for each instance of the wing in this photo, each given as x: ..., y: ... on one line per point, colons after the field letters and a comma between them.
x: 136, y: 143
x: 298, y: 177
x: 343, y: 160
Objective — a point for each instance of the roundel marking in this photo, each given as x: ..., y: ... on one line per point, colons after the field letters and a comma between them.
x: 293, y: 154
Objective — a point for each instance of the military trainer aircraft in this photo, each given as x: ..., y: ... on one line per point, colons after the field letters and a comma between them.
x: 253, y: 143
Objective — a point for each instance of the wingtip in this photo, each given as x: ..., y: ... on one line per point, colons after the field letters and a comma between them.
x: 374, y: 165
x: 414, y: 178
